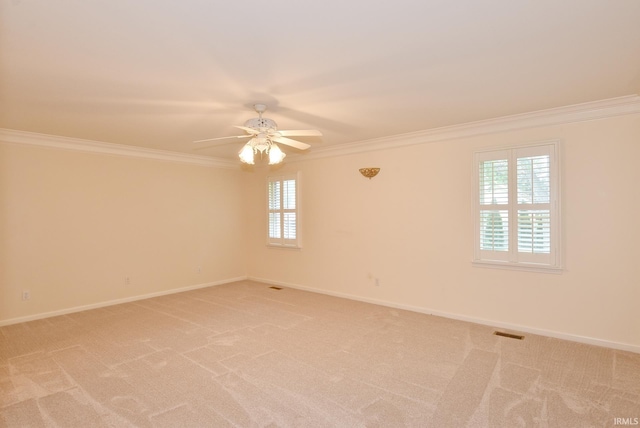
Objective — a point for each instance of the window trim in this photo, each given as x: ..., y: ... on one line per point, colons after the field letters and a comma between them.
x: 555, y: 265
x: 281, y: 242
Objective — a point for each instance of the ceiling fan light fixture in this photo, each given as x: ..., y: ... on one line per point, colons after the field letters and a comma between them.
x: 275, y: 154
x: 263, y: 134
x: 261, y: 143
x: 246, y: 154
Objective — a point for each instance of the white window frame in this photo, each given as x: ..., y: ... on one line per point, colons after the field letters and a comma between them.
x: 281, y: 241
x: 512, y: 258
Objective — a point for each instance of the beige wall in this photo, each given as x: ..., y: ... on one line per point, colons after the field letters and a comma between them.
x: 411, y: 227
x: 73, y: 225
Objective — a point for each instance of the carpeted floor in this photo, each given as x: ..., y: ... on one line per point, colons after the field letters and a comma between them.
x: 246, y: 355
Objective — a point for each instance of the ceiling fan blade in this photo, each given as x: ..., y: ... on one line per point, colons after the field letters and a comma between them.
x: 301, y: 133
x: 292, y: 143
x: 249, y: 130
x: 222, y: 138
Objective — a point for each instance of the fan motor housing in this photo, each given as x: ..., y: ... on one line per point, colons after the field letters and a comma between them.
x: 261, y: 124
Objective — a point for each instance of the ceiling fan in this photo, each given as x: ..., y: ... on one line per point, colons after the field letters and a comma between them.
x: 264, y: 135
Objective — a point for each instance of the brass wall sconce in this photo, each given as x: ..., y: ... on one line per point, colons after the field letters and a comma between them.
x: 369, y: 172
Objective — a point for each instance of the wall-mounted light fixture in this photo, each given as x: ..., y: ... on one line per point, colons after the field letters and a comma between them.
x: 369, y: 172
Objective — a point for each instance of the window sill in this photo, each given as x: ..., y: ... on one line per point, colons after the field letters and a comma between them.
x: 527, y: 267
x: 284, y: 247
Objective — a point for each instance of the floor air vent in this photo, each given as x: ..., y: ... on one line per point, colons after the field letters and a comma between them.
x: 509, y: 335
x: 276, y: 288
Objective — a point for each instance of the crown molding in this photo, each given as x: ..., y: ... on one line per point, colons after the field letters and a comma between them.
x: 602, y: 109
x: 76, y: 144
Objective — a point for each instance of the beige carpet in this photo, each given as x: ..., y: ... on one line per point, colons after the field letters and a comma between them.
x: 246, y: 355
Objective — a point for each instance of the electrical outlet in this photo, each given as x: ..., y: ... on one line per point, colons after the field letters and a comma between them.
x: 127, y: 280
x: 26, y: 295
x: 199, y: 269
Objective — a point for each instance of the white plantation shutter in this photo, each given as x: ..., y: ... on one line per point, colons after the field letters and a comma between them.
x: 533, y: 172
x: 289, y: 209
x: 534, y: 231
x: 275, y: 202
x: 517, y: 215
x: 282, y: 194
x: 494, y: 199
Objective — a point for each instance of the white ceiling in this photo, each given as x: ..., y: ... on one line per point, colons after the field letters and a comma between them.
x: 161, y: 74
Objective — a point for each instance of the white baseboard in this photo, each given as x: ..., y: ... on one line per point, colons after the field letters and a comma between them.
x: 116, y: 301
x: 427, y: 311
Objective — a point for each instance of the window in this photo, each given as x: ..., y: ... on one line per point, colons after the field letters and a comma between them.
x: 283, y: 215
x: 516, y: 200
